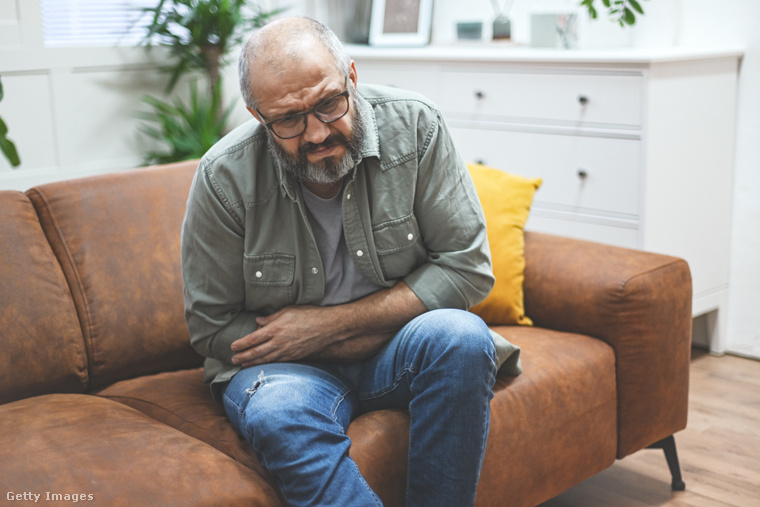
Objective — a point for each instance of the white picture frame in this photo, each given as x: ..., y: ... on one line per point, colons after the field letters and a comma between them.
x: 396, y: 23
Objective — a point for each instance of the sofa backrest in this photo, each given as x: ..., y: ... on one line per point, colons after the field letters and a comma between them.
x: 41, y: 343
x: 117, y: 238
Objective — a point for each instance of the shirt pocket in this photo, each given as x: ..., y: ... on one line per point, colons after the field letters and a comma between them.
x: 269, y: 281
x: 399, y: 246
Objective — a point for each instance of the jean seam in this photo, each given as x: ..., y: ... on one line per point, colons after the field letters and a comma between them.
x: 336, y: 405
x: 394, y: 385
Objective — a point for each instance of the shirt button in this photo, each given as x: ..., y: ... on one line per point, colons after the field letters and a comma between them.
x: 259, y: 274
x: 348, y: 197
x: 410, y: 236
x: 359, y: 253
x: 314, y: 271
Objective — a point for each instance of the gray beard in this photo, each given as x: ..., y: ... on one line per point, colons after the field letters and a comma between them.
x: 327, y: 170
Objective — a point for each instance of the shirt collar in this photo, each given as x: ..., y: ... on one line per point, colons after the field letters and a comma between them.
x: 371, y: 146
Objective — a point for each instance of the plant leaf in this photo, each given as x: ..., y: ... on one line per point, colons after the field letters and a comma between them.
x: 10, y: 152
x: 628, y: 16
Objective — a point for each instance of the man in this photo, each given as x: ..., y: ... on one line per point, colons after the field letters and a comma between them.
x: 329, y: 251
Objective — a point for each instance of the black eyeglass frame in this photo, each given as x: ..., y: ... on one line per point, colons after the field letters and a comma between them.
x: 313, y: 110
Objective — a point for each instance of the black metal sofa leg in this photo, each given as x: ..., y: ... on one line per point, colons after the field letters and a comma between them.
x: 668, y: 445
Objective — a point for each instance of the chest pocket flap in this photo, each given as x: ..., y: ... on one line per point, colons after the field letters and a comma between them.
x: 396, y: 235
x: 275, y: 269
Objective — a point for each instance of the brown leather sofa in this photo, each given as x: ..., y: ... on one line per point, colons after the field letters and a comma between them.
x: 102, y: 395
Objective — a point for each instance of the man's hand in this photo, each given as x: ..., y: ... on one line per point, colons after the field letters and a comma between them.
x: 291, y: 334
x: 335, y: 333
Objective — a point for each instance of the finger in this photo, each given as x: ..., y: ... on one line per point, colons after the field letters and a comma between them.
x: 251, y: 340
x: 266, y: 319
x: 254, y: 356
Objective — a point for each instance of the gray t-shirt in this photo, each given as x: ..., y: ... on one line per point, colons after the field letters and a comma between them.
x: 343, y: 282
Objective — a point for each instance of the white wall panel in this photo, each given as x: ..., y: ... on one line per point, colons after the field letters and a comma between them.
x: 95, y: 113
x: 28, y: 112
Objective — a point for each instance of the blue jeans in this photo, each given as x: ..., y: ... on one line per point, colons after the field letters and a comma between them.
x: 441, y: 366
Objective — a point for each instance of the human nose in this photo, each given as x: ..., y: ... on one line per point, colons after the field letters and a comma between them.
x: 316, y: 131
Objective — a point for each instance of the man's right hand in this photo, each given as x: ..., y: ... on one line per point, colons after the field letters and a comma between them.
x: 341, y: 333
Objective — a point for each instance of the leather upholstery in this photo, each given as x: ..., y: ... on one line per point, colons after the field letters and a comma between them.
x: 80, y: 444
x: 553, y: 426
x: 42, y: 346
x: 640, y: 304
x: 182, y: 400
x: 540, y: 421
x: 117, y: 239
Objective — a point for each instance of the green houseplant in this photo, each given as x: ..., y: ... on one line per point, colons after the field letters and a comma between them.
x: 199, y: 35
x: 621, y: 11
x: 6, y: 145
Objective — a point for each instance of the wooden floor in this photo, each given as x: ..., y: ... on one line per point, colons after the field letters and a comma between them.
x: 719, y: 450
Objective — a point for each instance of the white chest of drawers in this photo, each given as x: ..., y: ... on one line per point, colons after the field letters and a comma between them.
x: 635, y: 147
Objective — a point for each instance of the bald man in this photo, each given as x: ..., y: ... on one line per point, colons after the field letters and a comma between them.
x: 330, y: 250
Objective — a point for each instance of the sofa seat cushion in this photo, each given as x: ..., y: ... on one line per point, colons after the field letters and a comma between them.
x: 558, y: 416
x: 379, y: 445
x: 182, y: 400
x: 82, y: 444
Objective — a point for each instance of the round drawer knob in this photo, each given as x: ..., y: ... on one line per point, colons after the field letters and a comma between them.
x: 479, y: 94
x: 582, y: 174
x: 582, y: 100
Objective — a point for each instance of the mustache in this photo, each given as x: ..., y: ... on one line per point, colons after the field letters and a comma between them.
x: 332, y: 140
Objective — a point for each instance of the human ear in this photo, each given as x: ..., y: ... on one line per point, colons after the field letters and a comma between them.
x: 352, y: 74
x: 255, y: 115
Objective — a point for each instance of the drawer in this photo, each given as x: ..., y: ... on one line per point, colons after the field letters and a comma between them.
x: 575, y: 99
x: 590, y: 174
x: 417, y: 78
x: 569, y: 227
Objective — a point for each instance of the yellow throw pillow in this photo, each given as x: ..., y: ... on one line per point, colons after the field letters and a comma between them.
x: 506, y: 200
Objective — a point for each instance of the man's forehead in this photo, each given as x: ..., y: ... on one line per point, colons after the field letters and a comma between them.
x: 279, y: 57
x: 295, y: 77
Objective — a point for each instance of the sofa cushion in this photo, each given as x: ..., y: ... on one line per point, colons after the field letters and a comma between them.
x: 117, y: 238
x: 182, y: 400
x: 379, y: 446
x: 42, y: 345
x: 506, y: 200
x: 83, y: 444
x: 558, y: 416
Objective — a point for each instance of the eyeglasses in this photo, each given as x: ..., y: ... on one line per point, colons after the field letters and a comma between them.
x: 327, y: 111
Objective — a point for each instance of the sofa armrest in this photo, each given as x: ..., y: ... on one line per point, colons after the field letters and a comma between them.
x: 637, y: 302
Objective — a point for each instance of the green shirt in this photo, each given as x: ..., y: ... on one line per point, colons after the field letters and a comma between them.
x: 410, y: 212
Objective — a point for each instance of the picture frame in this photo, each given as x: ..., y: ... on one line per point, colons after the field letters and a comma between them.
x: 396, y: 23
